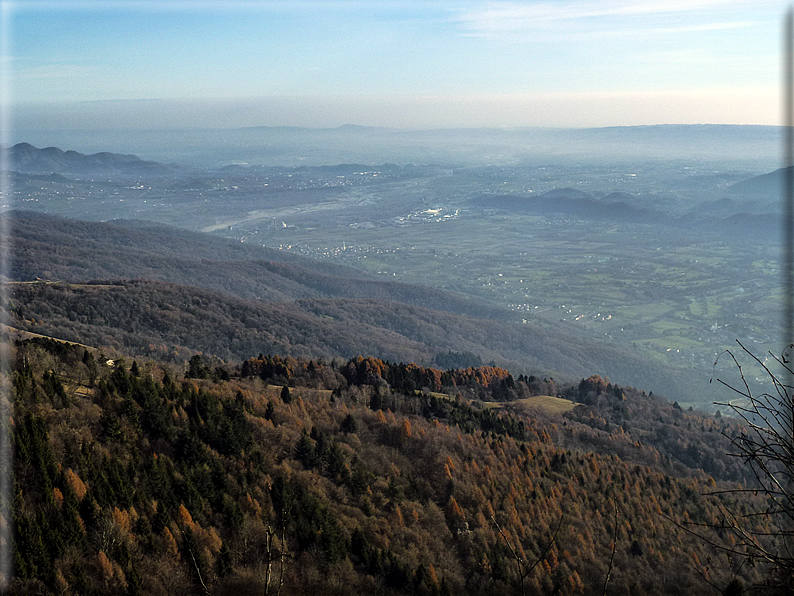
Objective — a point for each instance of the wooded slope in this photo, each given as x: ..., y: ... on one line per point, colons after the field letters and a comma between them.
x: 131, y: 479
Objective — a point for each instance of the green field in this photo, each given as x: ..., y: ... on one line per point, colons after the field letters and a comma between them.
x: 543, y: 403
x: 674, y: 293
x: 681, y: 299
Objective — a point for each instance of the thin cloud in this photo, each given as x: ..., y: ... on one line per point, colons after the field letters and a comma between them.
x: 706, y: 27
x: 252, y: 6
x: 499, y: 18
x: 53, y: 71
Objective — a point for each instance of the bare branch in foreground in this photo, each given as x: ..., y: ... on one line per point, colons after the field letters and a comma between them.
x: 519, y: 561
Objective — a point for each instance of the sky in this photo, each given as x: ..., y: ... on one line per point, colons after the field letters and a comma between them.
x: 81, y: 64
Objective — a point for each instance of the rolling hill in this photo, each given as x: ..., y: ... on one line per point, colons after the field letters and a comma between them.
x: 26, y: 158
x: 199, y: 293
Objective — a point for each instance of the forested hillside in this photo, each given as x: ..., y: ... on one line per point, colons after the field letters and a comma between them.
x: 357, y: 476
x: 196, y: 292
x: 55, y: 248
x: 171, y: 322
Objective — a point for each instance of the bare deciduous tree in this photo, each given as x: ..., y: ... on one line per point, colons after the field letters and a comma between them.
x: 614, y: 548
x: 763, y: 533
x: 522, y: 575
x: 272, y: 556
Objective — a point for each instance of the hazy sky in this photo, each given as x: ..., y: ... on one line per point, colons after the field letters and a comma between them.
x: 413, y: 64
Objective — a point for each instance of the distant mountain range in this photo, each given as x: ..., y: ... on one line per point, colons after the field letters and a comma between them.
x: 768, y: 186
x: 755, y: 146
x: 573, y: 202
x: 25, y: 158
x: 27, y: 162
x: 742, y: 215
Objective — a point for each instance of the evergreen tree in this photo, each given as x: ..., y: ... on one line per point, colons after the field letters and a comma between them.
x: 270, y: 410
x: 335, y: 466
x: 286, y: 396
x: 225, y: 561
x: 91, y: 365
x: 304, y: 449
x: 196, y: 368
x: 348, y: 425
x: 319, y: 455
x: 281, y: 497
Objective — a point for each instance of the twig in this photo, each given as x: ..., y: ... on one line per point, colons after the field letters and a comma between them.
x: 283, y: 531
x: 519, y: 561
x: 198, y: 571
x: 614, y: 547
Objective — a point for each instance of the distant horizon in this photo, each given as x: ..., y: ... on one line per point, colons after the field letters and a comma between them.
x: 749, y: 146
x: 364, y: 127
x: 403, y: 113
x: 407, y: 65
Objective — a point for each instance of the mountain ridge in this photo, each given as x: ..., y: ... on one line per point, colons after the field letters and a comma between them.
x: 27, y: 159
x: 78, y: 252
